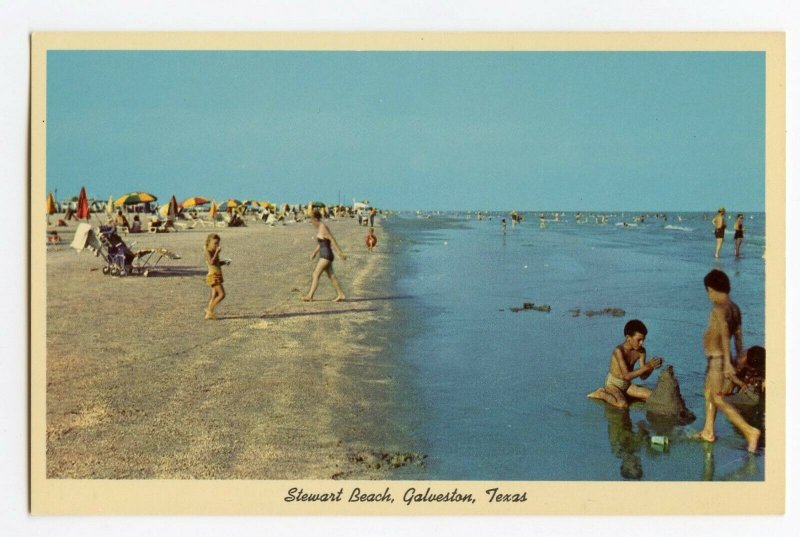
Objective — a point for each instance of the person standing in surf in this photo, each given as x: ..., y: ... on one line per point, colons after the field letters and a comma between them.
x: 724, y: 323
x: 325, y: 264
x: 738, y: 234
x: 719, y: 229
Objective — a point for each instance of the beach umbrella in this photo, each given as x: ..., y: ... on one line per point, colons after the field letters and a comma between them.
x: 194, y: 201
x: 170, y: 210
x: 213, y: 210
x: 134, y: 198
x: 51, y: 204
x: 82, y: 212
x: 230, y: 203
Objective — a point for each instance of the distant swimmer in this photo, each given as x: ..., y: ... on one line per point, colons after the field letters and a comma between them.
x: 724, y: 323
x: 622, y: 370
x: 504, y: 226
x: 719, y: 229
x: 738, y: 234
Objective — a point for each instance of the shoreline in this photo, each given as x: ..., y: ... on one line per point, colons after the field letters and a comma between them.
x: 276, y: 389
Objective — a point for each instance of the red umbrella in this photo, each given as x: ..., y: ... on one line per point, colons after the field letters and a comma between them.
x: 83, y: 206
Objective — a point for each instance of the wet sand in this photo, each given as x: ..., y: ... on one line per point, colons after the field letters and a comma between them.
x: 140, y: 386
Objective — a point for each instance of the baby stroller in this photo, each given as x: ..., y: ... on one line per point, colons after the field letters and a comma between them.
x: 119, y: 258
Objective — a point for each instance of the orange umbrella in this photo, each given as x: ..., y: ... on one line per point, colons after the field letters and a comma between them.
x: 83, y: 206
x: 213, y: 210
x: 51, y: 204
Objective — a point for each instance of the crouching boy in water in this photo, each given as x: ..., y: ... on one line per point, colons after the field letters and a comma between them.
x: 724, y: 323
x: 621, y: 370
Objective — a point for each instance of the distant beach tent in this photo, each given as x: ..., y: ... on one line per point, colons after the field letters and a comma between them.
x: 51, y: 204
x: 135, y: 197
x: 194, y: 201
x: 82, y: 212
x: 359, y: 205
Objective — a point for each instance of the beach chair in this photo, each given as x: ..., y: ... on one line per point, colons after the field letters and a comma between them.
x: 196, y: 221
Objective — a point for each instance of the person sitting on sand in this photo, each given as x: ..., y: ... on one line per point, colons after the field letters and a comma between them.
x: 325, y: 263
x: 621, y: 369
x: 719, y: 229
x: 371, y: 239
x: 121, y: 221
x: 214, y: 276
x: 724, y: 322
x: 748, y: 386
x: 136, y: 227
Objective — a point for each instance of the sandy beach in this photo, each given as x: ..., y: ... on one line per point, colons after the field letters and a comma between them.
x: 139, y: 386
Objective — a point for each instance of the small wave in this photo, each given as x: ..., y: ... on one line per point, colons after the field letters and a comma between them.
x: 678, y: 228
x: 625, y: 224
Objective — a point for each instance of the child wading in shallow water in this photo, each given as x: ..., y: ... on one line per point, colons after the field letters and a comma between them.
x: 214, y: 276
x: 621, y: 369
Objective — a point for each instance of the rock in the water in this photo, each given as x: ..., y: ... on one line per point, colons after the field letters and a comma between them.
x: 614, y: 312
x: 666, y: 400
x: 531, y: 306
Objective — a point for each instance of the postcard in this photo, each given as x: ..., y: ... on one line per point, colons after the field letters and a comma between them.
x: 407, y: 273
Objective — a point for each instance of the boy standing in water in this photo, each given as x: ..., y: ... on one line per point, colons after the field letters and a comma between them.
x: 724, y: 322
x: 621, y: 369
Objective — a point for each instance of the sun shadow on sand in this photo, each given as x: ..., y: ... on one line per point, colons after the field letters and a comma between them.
x: 171, y: 270
x: 289, y: 314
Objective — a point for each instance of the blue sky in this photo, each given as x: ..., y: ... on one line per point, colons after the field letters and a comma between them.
x: 413, y: 130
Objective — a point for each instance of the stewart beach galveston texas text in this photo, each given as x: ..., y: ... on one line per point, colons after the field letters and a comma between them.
x: 323, y: 269
x: 410, y: 496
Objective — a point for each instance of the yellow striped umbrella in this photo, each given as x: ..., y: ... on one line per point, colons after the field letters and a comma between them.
x: 194, y: 201
x: 135, y: 197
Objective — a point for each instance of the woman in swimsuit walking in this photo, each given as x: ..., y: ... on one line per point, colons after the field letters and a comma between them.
x: 325, y: 263
x: 738, y: 234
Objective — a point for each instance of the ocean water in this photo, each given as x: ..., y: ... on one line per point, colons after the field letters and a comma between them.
x: 502, y: 395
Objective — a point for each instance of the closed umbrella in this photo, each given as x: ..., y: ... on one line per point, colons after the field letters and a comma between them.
x: 110, y: 206
x: 83, y: 206
x: 51, y: 204
x: 212, y: 212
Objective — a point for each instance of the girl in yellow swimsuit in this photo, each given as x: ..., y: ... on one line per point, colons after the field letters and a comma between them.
x: 214, y: 276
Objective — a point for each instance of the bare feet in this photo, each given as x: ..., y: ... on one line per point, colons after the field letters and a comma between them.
x: 752, y: 439
x: 340, y: 298
x: 705, y: 437
x: 210, y: 316
x: 597, y: 394
x: 307, y: 298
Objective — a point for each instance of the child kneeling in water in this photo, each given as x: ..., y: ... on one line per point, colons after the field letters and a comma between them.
x: 621, y: 369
